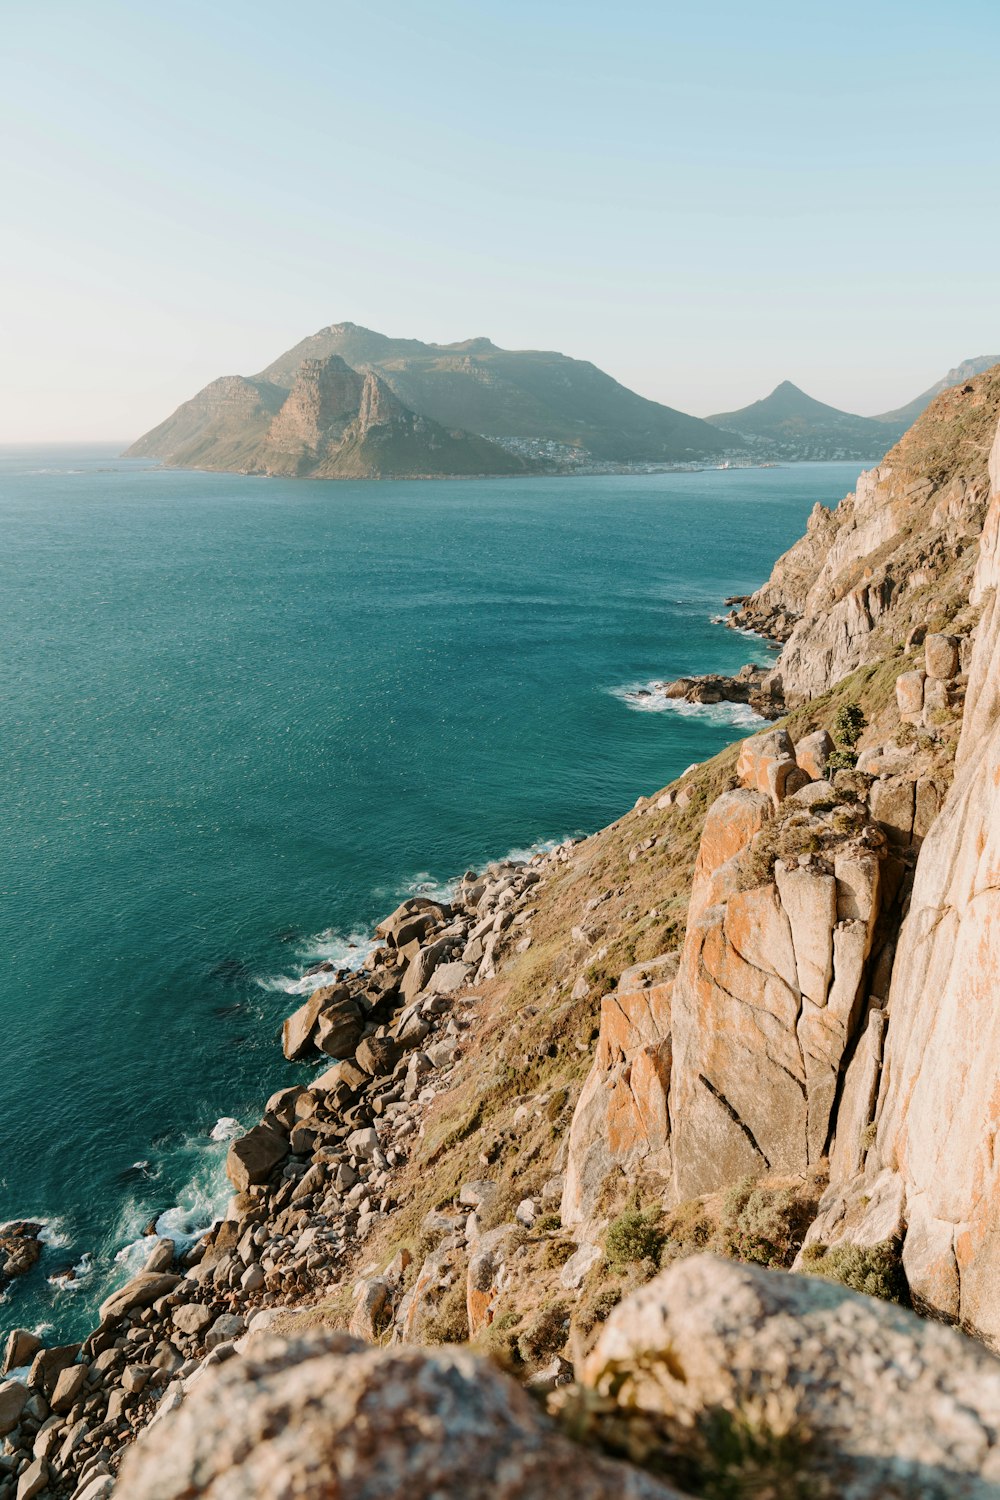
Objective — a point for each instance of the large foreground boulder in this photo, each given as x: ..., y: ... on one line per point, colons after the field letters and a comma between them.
x: 253, y: 1157
x: 883, y: 1403
x: 328, y: 1418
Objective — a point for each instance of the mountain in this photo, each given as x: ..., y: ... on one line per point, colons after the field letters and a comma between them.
x: 788, y: 424
x: 542, y: 408
x: 966, y: 371
x: 333, y: 422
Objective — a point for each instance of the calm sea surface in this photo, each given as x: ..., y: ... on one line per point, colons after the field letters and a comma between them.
x: 242, y: 718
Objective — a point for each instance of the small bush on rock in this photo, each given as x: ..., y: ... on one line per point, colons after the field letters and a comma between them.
x: 762, y: 1225
x: 849, y: 724
x: 632, y: 1237
x: 876, y: 1270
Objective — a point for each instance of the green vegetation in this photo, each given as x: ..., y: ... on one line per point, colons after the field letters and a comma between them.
x: 876, y: 1270
x: 632, y: 1237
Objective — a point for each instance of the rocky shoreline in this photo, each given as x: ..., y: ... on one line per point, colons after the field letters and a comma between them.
x: 311, y: 1181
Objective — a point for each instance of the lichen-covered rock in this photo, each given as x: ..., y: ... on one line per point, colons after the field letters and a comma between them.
x: 884, y: 1404
x: 328, y: 1418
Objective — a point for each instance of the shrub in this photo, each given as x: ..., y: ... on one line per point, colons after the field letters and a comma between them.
x: 632, y: 1237
x: 876, y: 1270
x: 449, y: 1323
x: 841, y: 760
x: 545, y: 1334
x: 764, y: 1225
x: 849, y: 724
x: 547, y: 1222
x: 557, y: 1253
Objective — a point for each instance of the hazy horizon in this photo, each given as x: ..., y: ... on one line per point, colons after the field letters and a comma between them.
x: 702, y: 205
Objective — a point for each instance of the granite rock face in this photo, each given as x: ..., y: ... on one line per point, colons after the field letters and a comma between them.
x: 773, y: 979
x: 332, y: 1419
x: 937, y: 1114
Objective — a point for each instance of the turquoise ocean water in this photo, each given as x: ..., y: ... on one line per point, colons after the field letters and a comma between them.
x: 242, y: 718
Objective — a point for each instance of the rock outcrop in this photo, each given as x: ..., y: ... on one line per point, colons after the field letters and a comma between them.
x: 871, y: 1401
x: 329, y: 1418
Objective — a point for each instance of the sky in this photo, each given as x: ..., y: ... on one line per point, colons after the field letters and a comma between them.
x: 703, y: 200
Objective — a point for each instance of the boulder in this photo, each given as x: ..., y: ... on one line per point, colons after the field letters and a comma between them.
x: 422, y: 966
x: 941, y: 656
x: 812, y: 753
x: 191, y: 1318
x: 253, y: 1157
x: 227, y: 1326
x: 889, y: 1404
x: 297, y: 1031
x: 13, y: 1396
x: 20, y: 1350
x: 339, y: 1027
x: 143, y: 1290
x: 910, y: 695
x: 759, y: 753
x: 328, y: 1417
x: 33, y: 1480
x: 67, y: 1388
x: 376, y: 1056
x: 161, y: 1255
x: 372, y: 1310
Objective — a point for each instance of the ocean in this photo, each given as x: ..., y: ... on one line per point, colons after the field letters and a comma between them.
x: 243, y: 718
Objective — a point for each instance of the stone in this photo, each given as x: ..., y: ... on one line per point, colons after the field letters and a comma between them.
x: 161, y: 1256
x: 67, y: 1388
x: 910, y: 695
x: 33, y: 1480
x: 812, y: 753
x: 574, y: 1273
x: 363, y: 1143
x: 759, y: 753
x: 422, y: 966
x: 339, y: 1027
x: 254, y: 1156
x: 135, y: 1378
x: 621, y: 1120
x: 20, y: 1350
x: 447, y: 978
x: 372, y: 1310
x: 227, y: 1326
x: 892, y: 800
x: 141, y: 1291
x: 892, y: 1404
x: 428, y: 1424
x: 99, y: 1488
x: 297, y: 1031
x: 941, y: 656
x: 376, y: 1056
x: 13, y: 1398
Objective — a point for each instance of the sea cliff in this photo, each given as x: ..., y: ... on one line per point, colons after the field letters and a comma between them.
x: 683, y: 1133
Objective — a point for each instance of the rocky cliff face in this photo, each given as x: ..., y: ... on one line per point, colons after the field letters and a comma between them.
x: 938, y: 1107
x: 896, y: 554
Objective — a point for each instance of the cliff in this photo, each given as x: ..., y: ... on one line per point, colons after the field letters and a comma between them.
x: 687, y: 1125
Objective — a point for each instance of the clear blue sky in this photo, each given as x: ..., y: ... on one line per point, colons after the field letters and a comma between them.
x: 704, y: 199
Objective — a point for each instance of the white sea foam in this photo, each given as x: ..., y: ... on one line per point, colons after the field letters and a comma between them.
x: 225, y: 1128
x: 75, y: 1279
x: 331, y: 947
x: 650, y: 698
x: 54, y: 1234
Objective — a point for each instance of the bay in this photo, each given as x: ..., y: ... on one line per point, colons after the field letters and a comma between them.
x: 243, y: 717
